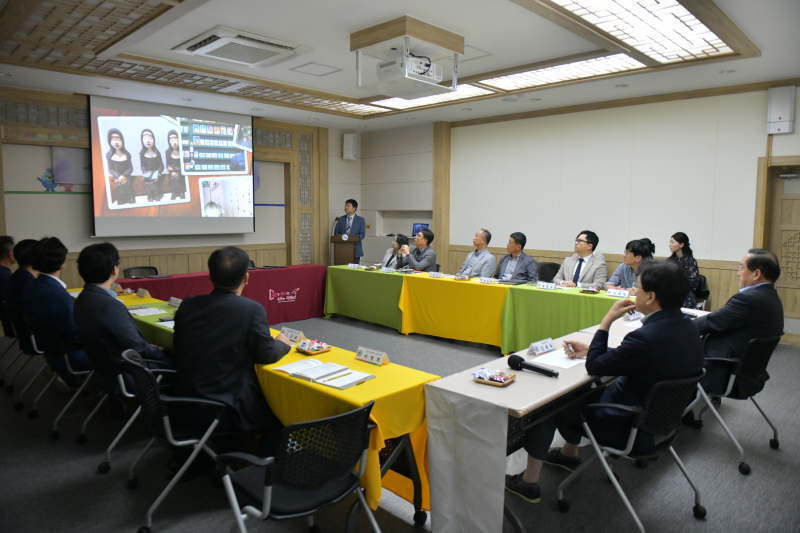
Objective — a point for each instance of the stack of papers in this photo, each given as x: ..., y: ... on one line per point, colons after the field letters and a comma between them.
x: 148, y: 311
x: 558, y: 358
x: 329, y: 374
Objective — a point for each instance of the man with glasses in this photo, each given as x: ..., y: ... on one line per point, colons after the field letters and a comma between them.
x: 586, y: 268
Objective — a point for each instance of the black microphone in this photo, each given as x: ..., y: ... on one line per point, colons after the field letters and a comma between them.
x: 518, y: 362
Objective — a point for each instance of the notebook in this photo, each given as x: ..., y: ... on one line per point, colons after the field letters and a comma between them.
x: 344, y: 380
x: 311, y: 369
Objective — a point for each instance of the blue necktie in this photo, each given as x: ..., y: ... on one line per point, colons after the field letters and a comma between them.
x: 577, y: 274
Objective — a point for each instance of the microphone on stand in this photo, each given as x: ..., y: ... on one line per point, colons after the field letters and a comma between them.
x: 517, y: 362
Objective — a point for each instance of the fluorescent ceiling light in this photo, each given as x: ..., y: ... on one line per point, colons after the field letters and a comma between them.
x: 463, y: 91
x: 569, y: 71
x: 661, y: 29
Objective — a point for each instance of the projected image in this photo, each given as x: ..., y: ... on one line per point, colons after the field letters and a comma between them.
x: 229, y: 197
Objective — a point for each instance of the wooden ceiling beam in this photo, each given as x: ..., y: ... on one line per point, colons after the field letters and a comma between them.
x: 723, y: 27
x: 14, y: 14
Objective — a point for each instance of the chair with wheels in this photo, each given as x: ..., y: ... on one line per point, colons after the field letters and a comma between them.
x: 547, y: 271
x: 27, y: 344
x: 747, y: 377
x: 140, y: 272
x: 660, y: 415
x: 156, y: 407
x: 314, y: 468
x: 54, y: 346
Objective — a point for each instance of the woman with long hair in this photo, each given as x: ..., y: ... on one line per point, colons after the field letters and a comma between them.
x: 120, y: 167
x: 152, y: 165
x: 681, y: 250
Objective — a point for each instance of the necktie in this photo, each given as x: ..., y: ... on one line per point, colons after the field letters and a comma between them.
x: 349, y: 222
x: 577, y: 274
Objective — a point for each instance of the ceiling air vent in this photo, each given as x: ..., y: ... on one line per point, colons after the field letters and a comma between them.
x: 226, y: 44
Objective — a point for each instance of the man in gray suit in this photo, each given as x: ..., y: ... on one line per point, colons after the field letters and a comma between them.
x: 517, y: 265
x: 586, y: 268
x: 481, y: 262
x: 423, y: 258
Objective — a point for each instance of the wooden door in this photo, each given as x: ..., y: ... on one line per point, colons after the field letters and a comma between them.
x: 783, y: 216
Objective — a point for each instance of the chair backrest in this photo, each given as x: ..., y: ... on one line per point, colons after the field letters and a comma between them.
x: 547, y: 271
x: 48, y: 340
x: 140, y: 271
x: 5, y: 320
x: 664, y: 405
x: 17, y: 320
x: 702, y: 292
x: 147, y: 391
x: 251, y: 264
x: 438, y: 267
x: 313, y: 453
x: 752, y: 365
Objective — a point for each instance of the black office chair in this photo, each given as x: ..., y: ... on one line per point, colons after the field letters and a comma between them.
x: 140, y: 272
x: 9, y: 314
x: 54, y: 346
x: 27, y: 344
x: 660, y: 415
x: 251, y: 264
x: 547, y: 271
x: 155, y: 408
x: 314, y: 468
x: 438, y: 267
x: 747, y: 377
x: 702, y: 292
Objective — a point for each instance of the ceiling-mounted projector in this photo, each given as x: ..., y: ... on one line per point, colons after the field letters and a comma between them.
x: 410, y: 76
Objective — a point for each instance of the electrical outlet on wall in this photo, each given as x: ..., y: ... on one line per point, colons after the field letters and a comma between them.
x: 367, y: 225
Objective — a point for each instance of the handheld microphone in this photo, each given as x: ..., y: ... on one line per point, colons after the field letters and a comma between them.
x: 517, y: 362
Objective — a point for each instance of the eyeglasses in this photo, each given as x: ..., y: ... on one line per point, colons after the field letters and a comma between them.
x: 580, y: 240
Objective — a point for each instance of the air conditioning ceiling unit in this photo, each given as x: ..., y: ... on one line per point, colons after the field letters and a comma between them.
x: 240, y: 47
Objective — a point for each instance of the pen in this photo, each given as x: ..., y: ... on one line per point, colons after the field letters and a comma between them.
x: 337, y: 377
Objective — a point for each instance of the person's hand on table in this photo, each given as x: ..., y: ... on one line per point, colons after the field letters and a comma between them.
x: 575, y: 349
x: 284, y: 339
x: 618, y: 310
x: 568, y: 284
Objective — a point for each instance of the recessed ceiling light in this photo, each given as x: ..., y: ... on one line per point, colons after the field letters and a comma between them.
x: 256, y: 109
x: 463, y: 91
x: 363, y: 126
x: 5, y: 74
x: 186, y: 99
x: 727, y: 71
x: 103, y: 87
x: 511, y: 99
x: 466, y: 109
x: 411, y: 118
x: 621, y: 85
x: 312, y: 118
x: 536, y: 99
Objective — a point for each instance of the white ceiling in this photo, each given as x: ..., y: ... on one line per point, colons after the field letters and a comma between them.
x: 511, y: 33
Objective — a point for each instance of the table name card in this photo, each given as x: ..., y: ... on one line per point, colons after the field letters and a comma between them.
x: 618, y: 293
x: 435, y: 274
x: 488, y: 281
x: 543, y: 346
x: 175, y: 302
x: 374, y: 357
x: 304, y: 344
x: 142, y: 293
x: 354, y: 266
x: 387, y: 270
x: 546, y: 286
x: 116, y: 287
x: 293, y: 335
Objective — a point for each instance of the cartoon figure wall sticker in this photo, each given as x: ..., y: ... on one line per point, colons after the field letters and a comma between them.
x: 47, y: 180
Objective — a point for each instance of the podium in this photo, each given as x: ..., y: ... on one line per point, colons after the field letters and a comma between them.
x: 344, y: 249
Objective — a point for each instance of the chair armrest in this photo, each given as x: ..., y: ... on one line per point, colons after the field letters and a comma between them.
x: 154, y: 361
x: 620, y: 407
x: 237, y: 457
x: 162, y: 371
x: 722, y: 360
x: 199, y: 401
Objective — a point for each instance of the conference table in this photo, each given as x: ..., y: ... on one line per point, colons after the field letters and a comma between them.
x: 287, y: 293
x: 508, y: 316
x: 399, y: 409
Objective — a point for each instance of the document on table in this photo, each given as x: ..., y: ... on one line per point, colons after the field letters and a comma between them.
x: 311, y: 369
x: 148, y: 311
x: 168, y: 324
x: 558, y: 358
x: 345, y: 380
x: 75, y: 294
x: 634, y: 324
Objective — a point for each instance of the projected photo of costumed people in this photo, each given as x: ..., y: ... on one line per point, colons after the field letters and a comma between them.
x: 120, y: 167
x: 176, y: 180
x: 152, y: 166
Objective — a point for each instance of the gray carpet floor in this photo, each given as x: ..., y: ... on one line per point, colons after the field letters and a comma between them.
x: 52, y: 486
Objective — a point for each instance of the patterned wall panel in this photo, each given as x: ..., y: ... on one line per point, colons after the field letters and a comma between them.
x: 279, y: 139
x: 305, y: 238
x: 305, y: 169
x: 47, y: 115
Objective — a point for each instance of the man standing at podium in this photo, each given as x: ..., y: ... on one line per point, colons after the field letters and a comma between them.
x: 352, y: 224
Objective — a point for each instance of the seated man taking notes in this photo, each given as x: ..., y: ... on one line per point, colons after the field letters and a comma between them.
x: 665, y: 347
x: 423, y: 258
x: 481, y: 262
x: 586, y: 267
x: 517, y: 265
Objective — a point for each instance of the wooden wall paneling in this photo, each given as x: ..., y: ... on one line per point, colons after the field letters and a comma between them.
x: 441, y: 194
x: 199, y: 262
x: 177, y: 263
x: 321, y: 200
x: 75, y: 101
x: 412, y: 27
x: 2, y: 194
x: 291, y: 194
x: 45, y: 135
x: 761, y: 226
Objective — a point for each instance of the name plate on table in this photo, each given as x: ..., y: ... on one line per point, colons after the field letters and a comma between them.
x: 488, y: 281
x: 142, y: 293
x: 116, y: 287
x: 435, y: 274
x: 293, y: 335
x: 546, y: 286
x: 374, y: 357
x: 175, y: 302
x: 618, y: 293
x: 387, y: 270
x: 544, y: 346
x: 354, y: 266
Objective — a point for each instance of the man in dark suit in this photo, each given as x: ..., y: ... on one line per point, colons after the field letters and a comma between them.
x: 6, y: 261
x: 517, y: 265
x: 23, y: 253
x: 46, y: 301
x: 754, y: 311
x: 352, y: 224
x: 666, y: 347
x: 219, y: 338
x: 99, y: 315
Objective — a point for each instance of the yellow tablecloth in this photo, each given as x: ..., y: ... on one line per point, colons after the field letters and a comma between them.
x: 399, y: 409
x: 462, y: 310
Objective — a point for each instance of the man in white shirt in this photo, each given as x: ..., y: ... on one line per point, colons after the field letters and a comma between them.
x: 481, y: 262
x: 586, y: 268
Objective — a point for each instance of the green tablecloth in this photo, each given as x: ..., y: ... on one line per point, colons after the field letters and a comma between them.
x: 372, y: 296
x: 151, y: 328
x: 532, y: 314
